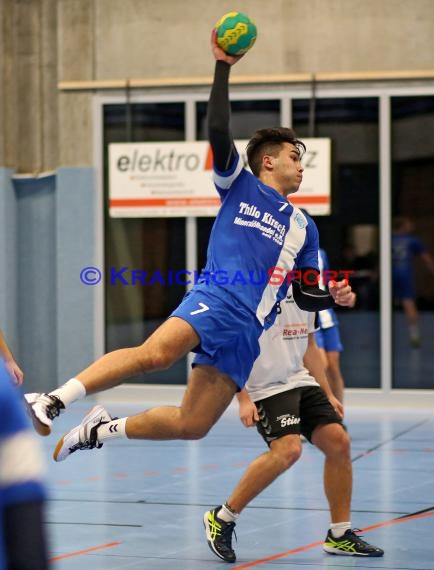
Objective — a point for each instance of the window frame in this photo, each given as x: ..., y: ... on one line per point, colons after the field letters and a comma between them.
x: 384, y: 91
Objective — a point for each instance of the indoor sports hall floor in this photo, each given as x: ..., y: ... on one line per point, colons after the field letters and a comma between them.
x: 137, y: 505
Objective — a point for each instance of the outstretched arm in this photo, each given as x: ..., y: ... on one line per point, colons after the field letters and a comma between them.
x: 219, y: 133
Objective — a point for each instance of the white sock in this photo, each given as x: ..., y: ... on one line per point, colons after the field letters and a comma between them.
x: 338, y: 529
x: 227, y: 514
x: 112, y: 430
x: 70, y: 392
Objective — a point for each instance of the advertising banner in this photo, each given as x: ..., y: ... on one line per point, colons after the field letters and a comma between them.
x: 174, y: 179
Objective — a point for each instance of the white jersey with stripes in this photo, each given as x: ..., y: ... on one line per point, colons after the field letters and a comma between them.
x: 279, y: 366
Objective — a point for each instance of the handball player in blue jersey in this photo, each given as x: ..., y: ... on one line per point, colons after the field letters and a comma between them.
x: 256, y: 232
x: 405, y: 247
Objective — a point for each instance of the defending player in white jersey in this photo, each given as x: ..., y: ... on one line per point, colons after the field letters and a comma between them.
x: 287, y: 395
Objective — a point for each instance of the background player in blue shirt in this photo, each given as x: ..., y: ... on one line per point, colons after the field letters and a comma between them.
x: 405, y: 247
x: 328, y: 338
x: 22, y: 494
x: 256, y: 230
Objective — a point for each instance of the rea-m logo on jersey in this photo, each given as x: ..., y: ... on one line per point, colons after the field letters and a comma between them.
x: 295, y: 331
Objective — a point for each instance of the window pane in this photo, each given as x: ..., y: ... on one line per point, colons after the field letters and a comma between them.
x: 350, y: 234
x: 155, y: 246
x: 246, y: 117
x: 413, y: 241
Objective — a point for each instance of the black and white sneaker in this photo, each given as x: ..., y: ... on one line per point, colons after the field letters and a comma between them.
x: 83, y: 436
x: 42, y: 409
x: 219, y: 535
x: 350, y: 544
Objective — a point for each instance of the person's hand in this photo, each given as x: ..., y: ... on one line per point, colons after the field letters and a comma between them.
x: 248, y: 413
x: 221, y: 55
x: 342, y: 293
x: 337, y: 405
x: 15, y: 371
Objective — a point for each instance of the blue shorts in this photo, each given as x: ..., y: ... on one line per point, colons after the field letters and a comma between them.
x: 228, y: 331
x: 403, y: 285
x: 329, y: 339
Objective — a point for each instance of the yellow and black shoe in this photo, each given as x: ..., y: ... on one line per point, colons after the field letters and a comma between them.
x: 219, y: 535
x: 350, y: 544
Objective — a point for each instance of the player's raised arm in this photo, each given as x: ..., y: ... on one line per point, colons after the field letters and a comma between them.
x: 219, y: 133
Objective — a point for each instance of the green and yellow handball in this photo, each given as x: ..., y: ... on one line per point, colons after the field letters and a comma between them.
x: 236, y: 33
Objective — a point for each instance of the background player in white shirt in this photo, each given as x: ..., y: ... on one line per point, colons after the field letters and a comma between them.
x: 287, y: 394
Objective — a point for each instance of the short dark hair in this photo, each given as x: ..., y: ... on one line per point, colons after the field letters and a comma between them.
x: 269, y: 141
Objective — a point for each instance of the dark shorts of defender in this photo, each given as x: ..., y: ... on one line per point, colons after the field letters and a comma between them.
x: 297, y: 411
x: 229, y: 333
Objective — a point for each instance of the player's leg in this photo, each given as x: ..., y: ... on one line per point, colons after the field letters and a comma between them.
x: 334, y: 374
x: 334, y: 442
x: 332, y: 346
x: 331, y: 363
x: 172, y: 340
x: 323, y: 357
x: 405, y: 291
x: 263, y: 470
x: 208, y: 394
x: 285, y: 449
x: 25, y: 542
x: 321, y: 340
x: 412, y: 316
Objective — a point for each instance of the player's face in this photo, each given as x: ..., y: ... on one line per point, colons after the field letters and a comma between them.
x: 287, y: 169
